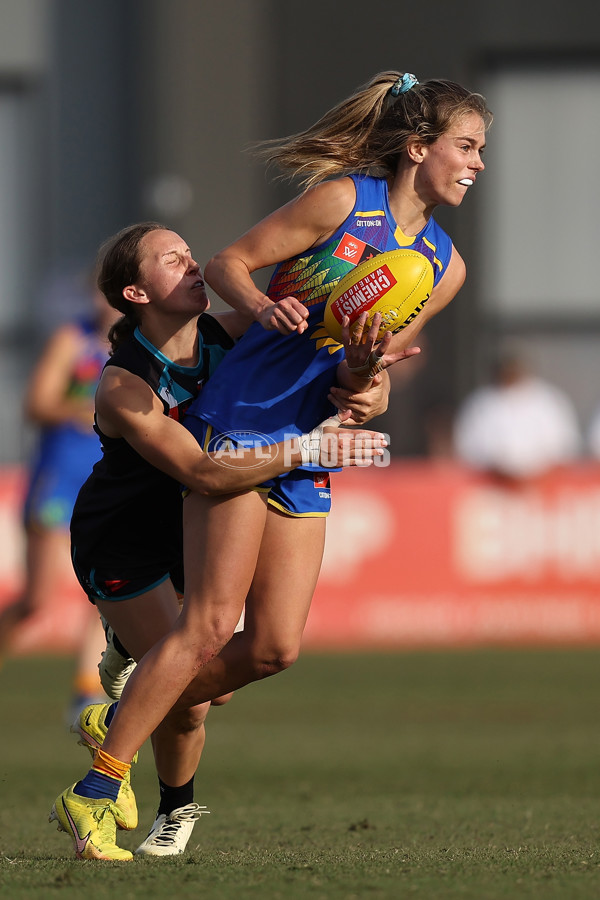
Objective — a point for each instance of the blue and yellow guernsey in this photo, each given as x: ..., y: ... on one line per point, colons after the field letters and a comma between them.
x: 66, y: 452
x: 277, y: 385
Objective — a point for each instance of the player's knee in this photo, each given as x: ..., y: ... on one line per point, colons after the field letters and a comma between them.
x: 197, y: 654
x: 190, y: 718
x: 222, y: 700
x: 211, y: 647
x: 271, y: 663
x: 214, y: 637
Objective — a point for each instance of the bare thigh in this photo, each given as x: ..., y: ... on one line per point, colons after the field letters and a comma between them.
x: 142, y: 621
x: 284, y: 582
x: 277, y: 607
x: 222, y: 543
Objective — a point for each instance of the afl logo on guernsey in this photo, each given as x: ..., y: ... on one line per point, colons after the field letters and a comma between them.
x: 351, y: 249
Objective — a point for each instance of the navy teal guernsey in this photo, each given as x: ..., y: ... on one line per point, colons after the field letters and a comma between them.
x: 127, y: 521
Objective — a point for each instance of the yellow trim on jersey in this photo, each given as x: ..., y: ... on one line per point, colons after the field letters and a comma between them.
x: 435, y: 259
x: 402, y: 239
x: 209, y: 432
x: 370, y: 215
x: 321, y: 336
x: 405, y: 241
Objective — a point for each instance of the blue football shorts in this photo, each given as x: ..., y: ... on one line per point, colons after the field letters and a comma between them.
x: 50, y: 498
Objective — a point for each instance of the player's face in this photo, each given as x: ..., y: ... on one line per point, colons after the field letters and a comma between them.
x: 452, y: 163
x: 169, y: 274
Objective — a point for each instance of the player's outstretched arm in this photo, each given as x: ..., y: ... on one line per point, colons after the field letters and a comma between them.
x: 128, y: 408
x: 332, y: 446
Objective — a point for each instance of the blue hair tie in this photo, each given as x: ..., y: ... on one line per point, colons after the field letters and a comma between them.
x: 404, y: 84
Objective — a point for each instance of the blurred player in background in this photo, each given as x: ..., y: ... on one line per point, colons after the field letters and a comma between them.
x: 59, y: 400
x: 127, y: 523
x: 410, y: 147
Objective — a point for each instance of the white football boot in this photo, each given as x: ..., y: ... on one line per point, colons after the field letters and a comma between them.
x: 169, y: 834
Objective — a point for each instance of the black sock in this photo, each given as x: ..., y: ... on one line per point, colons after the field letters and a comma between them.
x: 174, y: 797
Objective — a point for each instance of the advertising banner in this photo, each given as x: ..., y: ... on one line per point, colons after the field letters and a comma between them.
x: 418, y: 554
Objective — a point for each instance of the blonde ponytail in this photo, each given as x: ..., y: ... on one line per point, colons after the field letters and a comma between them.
x: 369, y: 130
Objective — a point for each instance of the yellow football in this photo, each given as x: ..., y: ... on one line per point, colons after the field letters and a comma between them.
x: 396, y: 284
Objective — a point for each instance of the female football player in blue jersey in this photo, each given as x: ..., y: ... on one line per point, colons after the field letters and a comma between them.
x: 59, y: 401
x: 374, y: 169
x: 126, y: 527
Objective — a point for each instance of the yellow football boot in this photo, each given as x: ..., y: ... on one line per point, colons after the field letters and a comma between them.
x: 91, y: 823
x: 91, y: 727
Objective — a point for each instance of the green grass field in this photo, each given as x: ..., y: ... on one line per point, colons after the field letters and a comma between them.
x: 467, y: 774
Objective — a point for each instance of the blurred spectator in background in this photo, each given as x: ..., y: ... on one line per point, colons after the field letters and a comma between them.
x: 517, y: 427
x: 59, y: 400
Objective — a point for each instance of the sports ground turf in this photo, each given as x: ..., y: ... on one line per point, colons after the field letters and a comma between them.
x: 467, y: 774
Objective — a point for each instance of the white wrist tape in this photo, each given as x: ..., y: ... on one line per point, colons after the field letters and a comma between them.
x: 310, y: 444
x: 370, y: 369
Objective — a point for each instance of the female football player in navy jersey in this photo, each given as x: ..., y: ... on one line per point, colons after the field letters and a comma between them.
x: 374, y: 168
